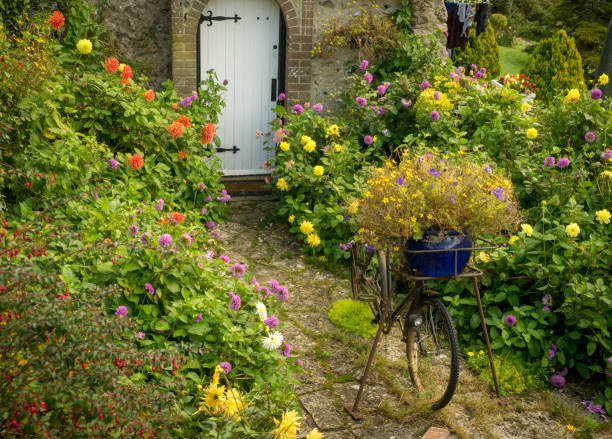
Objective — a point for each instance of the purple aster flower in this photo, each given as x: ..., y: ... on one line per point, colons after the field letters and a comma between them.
x: 237, y: 270
x: 203, y: 211
x: 298, y: 109
x: 146, y: 238
x: 400, y: 181
x: 596, y: 94
x: 225, y: 366
x: 369, y: 248
x: 368, y: 78
x: 384, y: 132
x: 225, y: 259
x: 271, y: 322
x: 368, y: 140
x: 149, y: 288
x: 434, y: 172
x: 133, y: 230
x: 235, y: 301
x: 474, y: 67
x: 434, y: 115
x: 186, y: 239
x: 281, y: 97
x: 510, y: 320
x: 283, y: 293
x: 139, y: 335
x: 452, y: 199
x: 159, y: 204
x: 563, y: 162
x: 121, y: 311
x: 478, y: 75
x: 437, y: 95
x: 210, y: 254
x: 361, y: 102
x: 285, y: 349
x: 549, y: 161
x: 113, y: 164
x: 424, y: 85
x: 198, y: 318
x: 557, y: 380
x: 265, y: 292
x: 381, y: 90
x: 498, y: 193
x: 606, y: 155
x: 325, y: 149
x: 487, y: 169
x: 165, y: 240
x: 343, y: 247
x: 590, y: 136
x: 552, y: 351
x: 186, y: 102
x: 317, y: 108
x: 406, y: 103
x: 547, y: 300
x: 364, y: 64
x: 216, y: 235
x: 210, y: 225
x: 483, y: 70
x: 54, y: 6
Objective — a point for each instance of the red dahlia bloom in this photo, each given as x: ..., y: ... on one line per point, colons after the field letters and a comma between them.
x: 111, y: 65
x: 56, y: 20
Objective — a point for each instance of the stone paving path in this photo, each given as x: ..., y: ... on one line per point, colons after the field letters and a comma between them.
x: 333, y: 361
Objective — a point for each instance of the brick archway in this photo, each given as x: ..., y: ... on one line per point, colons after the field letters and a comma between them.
x: 298, y: 15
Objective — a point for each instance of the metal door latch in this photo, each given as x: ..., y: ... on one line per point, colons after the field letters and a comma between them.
x: 210, y: 18
x: 234, y: 149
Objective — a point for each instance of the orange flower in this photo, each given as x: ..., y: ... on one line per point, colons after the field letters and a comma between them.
x: 163, y: 221
x: 135, y: 162
x: 149, y: 95
x: 178, y: 217
x: 174, y: 106
x: 111, y: 65
x: 126, y: 75
x: 56, y: 20
x: 184, y: 120
x: 176, y: 129
x: 182, y: 155
x: 208, y: 132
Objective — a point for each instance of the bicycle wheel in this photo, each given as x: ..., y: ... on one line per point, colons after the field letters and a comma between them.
x: 433, y: 358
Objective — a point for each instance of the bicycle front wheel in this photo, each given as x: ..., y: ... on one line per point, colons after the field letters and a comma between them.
x: 433, y: 357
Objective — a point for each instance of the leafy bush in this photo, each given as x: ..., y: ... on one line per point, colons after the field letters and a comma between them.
x: 498, y: 21
x: 353, y: 316
x: 554, y: 66
x: 481, y: 50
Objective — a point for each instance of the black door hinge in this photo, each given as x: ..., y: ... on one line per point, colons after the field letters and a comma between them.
x: 234, y: 149
x: 210, y: 18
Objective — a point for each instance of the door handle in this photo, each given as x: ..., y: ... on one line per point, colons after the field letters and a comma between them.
x: 273, y: 91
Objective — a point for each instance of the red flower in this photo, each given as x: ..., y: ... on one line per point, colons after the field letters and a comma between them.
x: 43, y: 406
x: 178, y: 217
x: 56, y: 20
x: 135, y: 162
x: 126, y: 75
x: 149, y: 95
x: 176, y: 129
x: 182, y: 155
x: 27, y: 184
x: 111, y: 65
x: 208, y: 133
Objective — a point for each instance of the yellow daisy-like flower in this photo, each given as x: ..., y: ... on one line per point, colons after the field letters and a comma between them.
x: 287, y: 427
x: 318, y: 170
x: 234, y: 403
x: 310, y: 146
x: 121, y: 67
x: 282, y: 184
x: 213, y: 401
x: 337, y: 148
x: 513, y: 239
x: 525, y: 107
x: 603, y: 216
x: 603, y: 79
x: 314, y: 434
x: 284, y: 146
x: 607, y: 174
x: 352, y: 208
x: 570, y: 427
x: 484, y: 257
x: 305, y: 139
x: 481, y: 352
x: 470, y: 354
x: 527, y: 229
x: 306, y: 227
x: 572, y: 96
x: 84, y: 46
x: 313, y: 239
x: 531, y: 133
x: 291, y: 219
x: 572, y: 230
x: 332, y: 130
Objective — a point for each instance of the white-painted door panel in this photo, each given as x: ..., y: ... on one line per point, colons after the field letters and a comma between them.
x: 245, y: 53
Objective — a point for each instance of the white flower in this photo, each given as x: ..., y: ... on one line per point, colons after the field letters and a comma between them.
x: 273, y: 341
x: 262, y: 312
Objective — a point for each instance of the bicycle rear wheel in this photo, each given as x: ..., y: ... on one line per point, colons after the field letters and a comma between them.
x: 432, y: 350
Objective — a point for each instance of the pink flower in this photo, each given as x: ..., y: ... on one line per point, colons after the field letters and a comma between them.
x: 278, y: 135
x: 285, y: 349
x: 424, y: 85
x: 298, y: 109
x: 139, y: 335
x: 165, y: 240
x: 237, y: 270
x: 234, y: 301
x: 549, y: 161
x: 281, y: 97
x: 596, y: 94
x: 590, y: 136
x: 317, y: 108
x: 271, y: 322
x: 364, y: 64
x: 133, y: 230
x: 563, y: 162
x: 557, y: 380
x: 121, y: 311
x: 435, y: 116
x: 225, y: 259
x: 361, y: 102
x: 282, y: 293
x: 406, y: 103
x: 225, y: 366
x: 149, y: 288
x: 186, y: 239
x: 510, y: 320
x: 258, y: 134
x: 368, y: 78
x: 368, y: 140
x: 198, y: 318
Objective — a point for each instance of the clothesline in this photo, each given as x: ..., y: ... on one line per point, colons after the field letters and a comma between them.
x: 475, y: 2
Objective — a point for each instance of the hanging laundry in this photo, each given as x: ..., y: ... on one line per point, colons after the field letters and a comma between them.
x: 465, y: 13
x: 482, y: 17
x: 455, y: 30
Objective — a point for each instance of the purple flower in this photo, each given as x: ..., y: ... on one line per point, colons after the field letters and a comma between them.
x: 424, y: 85
x: 225, y: 366
x: 346, y: 218
x: 381, y: 90
x: 202, y: 186
x: 487, y: 169
x: 113, y: 164
x: 364, y: 64
x: 285, y: 349
x: 434, y: 172
x: 478, y: 75
x: 146, y: 238
x: 557, y: 380
x: 546, y: 308
x: 165, y: 240
x: 549, y: 161
x: 317, y: 108
x: 271, y: 322
x: 361, y: 102
x: 547, y: 300
x: 265, y: 292
x: 590, y: 136
x: 596, y: 94
x: 186, y: 102
x: 452, y: 199
x: 133, y: 230
x: 198, y: 318
x: 208, y: 199
x: 149, y: 288
x: 298, y: 109
x: 400, y: 181
x: 474, y: 67
x: 121, y: 311
x: 498, y: 193
x: 283, y: 293
x: 483, y: 70
x: 95, y: 196
x: 224, y: 197
x: 139, y: 335
x: 552, y: 352
x: 369, y: 248
x: 343, y: 247
x: 510, y: 320
x: 186, y: 239
x: 406, y: 103
x: 210, y: 225
x: 203, y: 211
x: 381, y: 111
x: 445, y: 32
x: 437, y: 95
x: 225, y: 259
x: 606, y: 155
x: 368, y: 77
x: 237, y: 270
x: 368, y: 140
x: 434, y: 115
x: 563, y: 162
x: 235, y: 301
x: 281, y: 97
x: 159, y: 204
x: 54, y: 6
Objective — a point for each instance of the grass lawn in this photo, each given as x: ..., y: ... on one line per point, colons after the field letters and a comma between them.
x: 512, y: 59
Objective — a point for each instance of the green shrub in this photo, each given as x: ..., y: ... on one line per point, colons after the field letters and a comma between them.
x: 554, y: 66
x: 353, y: 316
x: 498, y: 21
x: 481, y: 50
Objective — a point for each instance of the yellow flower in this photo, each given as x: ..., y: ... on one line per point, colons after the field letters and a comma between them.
x: 352, y: 208
x: 513, y: 239
x: 314, y: 434
x: 484, y: 257
x: 525, y: 107
x: 313, y: 239
x: 48, y: 134
x: 470, y: 354
x: 607, y: 174
x: 304, y: 140
x: 291, y: 219
x: 572, y: 96
x: 234, y: 403
x: 84, y: 46
x: 306, y: 227
x: 121, y: 67
x: 337, y: 148
x: 532, y: 133
x: 572, y: 230
x: 310, y: 146
x: 527, y: 229
x: 603, y: 216
x: 570, y: 427
x: 282, y: 184
x: 213, y: 401
x: 317, y: 170
x: 603, y: 79
x: 284, y: 146
x: 22, y: 362
x: 481, y: 352
x: 287, y: 427
x: 332, y: 130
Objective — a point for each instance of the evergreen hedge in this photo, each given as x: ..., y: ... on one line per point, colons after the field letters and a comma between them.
x: 481, y: 50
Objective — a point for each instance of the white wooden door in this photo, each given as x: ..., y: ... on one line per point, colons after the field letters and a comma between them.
x: 245, y: 52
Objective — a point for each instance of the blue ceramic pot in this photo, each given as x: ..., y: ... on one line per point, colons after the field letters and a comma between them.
x: 438, y: 264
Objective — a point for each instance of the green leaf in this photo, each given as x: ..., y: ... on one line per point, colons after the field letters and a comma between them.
x: 161, y: 325
x: 173, y: 285
x: 199, y: 328
x: 591, y: 346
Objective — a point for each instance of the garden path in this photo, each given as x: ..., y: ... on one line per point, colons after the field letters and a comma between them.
x: 334, y: 361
